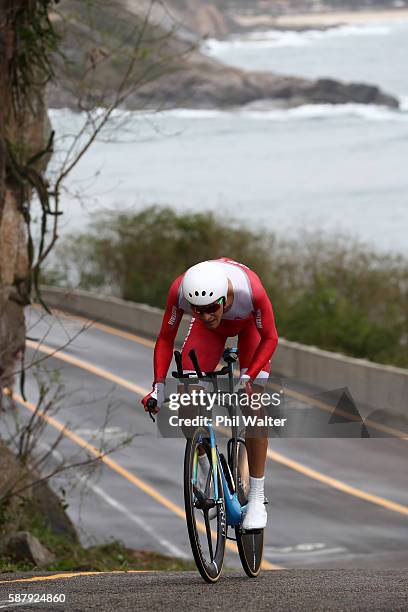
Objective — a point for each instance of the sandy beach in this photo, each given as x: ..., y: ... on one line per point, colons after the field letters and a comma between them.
x: 323, y: 20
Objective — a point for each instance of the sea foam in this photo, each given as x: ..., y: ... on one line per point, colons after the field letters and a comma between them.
x: 263, y: 110
x: 290, y: 38
x: 368, y: 112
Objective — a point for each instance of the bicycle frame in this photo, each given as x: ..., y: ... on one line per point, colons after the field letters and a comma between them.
x: 225, y: 486
x: 232, y: 505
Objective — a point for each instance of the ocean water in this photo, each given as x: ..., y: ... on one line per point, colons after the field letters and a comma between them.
x: 375, y: 53
x: 321, y: 167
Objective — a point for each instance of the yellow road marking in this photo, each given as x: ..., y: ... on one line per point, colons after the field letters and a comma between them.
x: 279, y: 458
x: 336, y: 484
x: 311, y: 401
x: 140, y: 484
x: 71, y: 575
x: 84, y: 365
x: 332, y: 482
x: 290, y: 392
x: 102, y: 326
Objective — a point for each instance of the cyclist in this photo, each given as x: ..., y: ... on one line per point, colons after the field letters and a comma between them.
x: 226, y: 299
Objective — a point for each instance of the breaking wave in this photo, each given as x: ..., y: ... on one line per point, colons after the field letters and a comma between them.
x: 289, y: 38
x: 259, y: 111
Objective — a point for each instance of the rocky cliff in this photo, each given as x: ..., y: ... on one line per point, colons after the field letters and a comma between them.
x: 216, y: 19
x: 171, y: 71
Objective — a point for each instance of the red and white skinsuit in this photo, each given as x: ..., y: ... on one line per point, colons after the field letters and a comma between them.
x: 250, y: 318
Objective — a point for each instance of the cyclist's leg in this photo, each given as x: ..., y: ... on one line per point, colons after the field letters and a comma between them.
x: 256, y: 438
x: 208, y: 345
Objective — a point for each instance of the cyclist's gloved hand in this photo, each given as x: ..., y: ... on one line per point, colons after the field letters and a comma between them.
x: 245, y: 385
x: 157, y: 393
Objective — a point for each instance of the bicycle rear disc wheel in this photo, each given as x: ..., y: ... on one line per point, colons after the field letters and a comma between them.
x: 207, y: 530
x: 250, y: 543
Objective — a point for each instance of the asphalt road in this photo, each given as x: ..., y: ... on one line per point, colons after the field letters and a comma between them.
x: 333, y: 503
x: 286, y: 590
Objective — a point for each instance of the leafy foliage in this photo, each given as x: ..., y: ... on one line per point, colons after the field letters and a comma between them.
x: 36, y: 40
x: 329, y: 292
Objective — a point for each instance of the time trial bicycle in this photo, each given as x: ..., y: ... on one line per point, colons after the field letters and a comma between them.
x: 216, y: 501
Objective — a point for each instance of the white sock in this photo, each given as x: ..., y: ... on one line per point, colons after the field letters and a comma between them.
x: 203, y: 462
x: 256, y: 489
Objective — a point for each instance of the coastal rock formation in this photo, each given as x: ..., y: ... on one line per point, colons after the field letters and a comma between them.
x: 186, y: 77
x: 222, y: 17
x: 224, y: 87
x: 203, y: 18
x: 215, y: 17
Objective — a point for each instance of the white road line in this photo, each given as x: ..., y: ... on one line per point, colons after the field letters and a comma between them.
x: 301, y: 551
x: 108, y: 499
x: 140, y: 522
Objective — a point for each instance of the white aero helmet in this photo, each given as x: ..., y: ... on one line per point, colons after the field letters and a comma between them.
x: 205, y: 283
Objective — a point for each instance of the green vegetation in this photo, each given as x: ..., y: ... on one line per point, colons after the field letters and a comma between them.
x: 35, y: 508
x: 31, y: 68
x: 113, y: 556
x: 71, y: 556
x: 337, y: 295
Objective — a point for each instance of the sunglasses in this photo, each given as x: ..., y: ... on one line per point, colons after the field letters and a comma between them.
x: 210, y: 309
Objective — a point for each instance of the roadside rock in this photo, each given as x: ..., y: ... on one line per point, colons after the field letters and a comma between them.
x: 52, y: 511
x: 23, y: 546
x: 37, y: 500
x: 12, y: 324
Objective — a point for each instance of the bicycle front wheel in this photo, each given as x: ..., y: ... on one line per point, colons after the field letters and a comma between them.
x: 250, y: 543
x: 206, y: 519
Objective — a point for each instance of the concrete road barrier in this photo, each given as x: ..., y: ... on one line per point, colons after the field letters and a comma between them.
x: 373, y: 385
x: 138, y: 318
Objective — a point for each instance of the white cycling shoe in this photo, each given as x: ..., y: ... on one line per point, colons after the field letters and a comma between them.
x: 255, y: 515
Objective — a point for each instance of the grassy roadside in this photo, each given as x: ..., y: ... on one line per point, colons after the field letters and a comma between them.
x: 70, y: 555
x: 107, y: 557
x: 42, y: 513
